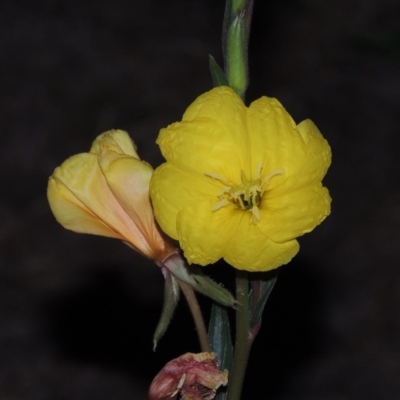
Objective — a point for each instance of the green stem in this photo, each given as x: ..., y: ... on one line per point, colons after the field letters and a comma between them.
x: 197, y: 315
x: 242, y: 344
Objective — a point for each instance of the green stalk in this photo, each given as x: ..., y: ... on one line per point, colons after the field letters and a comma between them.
x: 197, y: 315
x: 242, y: 343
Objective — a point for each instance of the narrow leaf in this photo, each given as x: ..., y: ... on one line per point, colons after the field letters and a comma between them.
x: 219, y: 336
x: 218, y: 76
x: 261, y: 289
x: 171, y: 297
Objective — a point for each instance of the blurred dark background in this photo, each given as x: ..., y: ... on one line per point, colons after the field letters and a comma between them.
x: 77, y: 312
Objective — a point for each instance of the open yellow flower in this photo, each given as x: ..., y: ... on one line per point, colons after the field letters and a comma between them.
x: 106, y: 192
x: 240, y: 183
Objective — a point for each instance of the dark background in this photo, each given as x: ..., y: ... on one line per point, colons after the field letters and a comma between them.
x: 77, y: 312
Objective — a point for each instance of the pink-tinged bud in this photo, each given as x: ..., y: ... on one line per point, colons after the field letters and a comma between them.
x: 191, y: 376
x: 106, y: 192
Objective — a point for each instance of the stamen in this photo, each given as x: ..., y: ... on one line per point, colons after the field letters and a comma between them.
x: 273, y: 173
x: 220, y: 204
x: 224, y: 190
x: 182, y: 381
x: 217, y: 177
x: 236, y: 194
x: 241, y: 202
x: 179, y: 387
x: 253, y: 195
x: 255, y: 215
x: 259, y: 169
x: 247, y: 195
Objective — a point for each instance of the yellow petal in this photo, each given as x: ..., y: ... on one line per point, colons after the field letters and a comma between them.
x: 81, y: 175
x: 291, y: 215
x: 173, y: 189
x: 250, y: 253
x: 204, y: 234
x: 223, y: 106
x: 250, y: 250
x: 319, y: 154
x: 115, y: 140
x: 73, y: 214
x: 128, y: 179
x: 315, y: 164
x: 274, y: 138
x: 202, y: 146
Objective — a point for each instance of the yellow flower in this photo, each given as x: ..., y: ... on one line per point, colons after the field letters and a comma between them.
x: 106, y: 192
x: 240, y: 183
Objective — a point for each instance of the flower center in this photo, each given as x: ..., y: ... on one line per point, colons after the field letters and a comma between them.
x: 247, y: 195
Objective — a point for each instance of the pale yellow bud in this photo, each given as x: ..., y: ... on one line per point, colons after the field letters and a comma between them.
x: 106, y: 192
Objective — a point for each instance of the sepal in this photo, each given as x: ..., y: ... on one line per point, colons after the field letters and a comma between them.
x: 236, y: 55
x: 194, y: 276
x: 171, y: 298
x: 217, y: 75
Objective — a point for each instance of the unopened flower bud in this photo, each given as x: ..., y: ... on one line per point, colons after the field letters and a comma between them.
x: 106, y: 192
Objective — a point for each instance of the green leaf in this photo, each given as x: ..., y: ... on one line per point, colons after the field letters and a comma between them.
x: 218, y: 76
x: 219, y: 336
x: 261, y: 289
x: 171, y: 298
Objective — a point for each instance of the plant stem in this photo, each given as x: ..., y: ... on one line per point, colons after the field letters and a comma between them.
x: 235, y: 37
x: 197, y: 315
x: 242, y: 344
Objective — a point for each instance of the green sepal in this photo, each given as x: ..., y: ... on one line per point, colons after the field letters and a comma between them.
x: 205, y: 285
x: 194, y: 276
x: 236, y: 70
x: 261, y: 287
x: 217, y: 75
x: 219, y: 336
x: 171, y: 298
